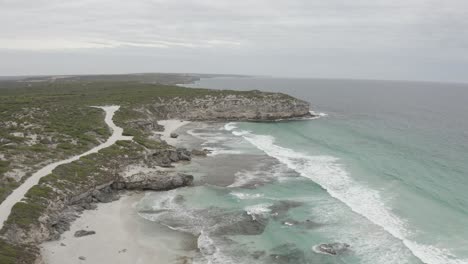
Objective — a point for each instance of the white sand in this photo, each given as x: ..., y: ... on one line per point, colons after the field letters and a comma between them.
x: 18, y: 193
x: 121, y: 237
x: 170, y: 126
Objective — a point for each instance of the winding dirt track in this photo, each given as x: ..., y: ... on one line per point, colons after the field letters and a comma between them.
x: 18, y: 194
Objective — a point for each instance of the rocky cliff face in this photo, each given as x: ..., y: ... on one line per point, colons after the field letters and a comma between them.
x: 59, y: 199
x: 247, y: 106
x: 64, y: 210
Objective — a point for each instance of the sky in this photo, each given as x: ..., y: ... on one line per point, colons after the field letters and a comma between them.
x: 360, y: 39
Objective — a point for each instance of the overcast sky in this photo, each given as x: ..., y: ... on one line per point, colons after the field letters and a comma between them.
x: 373, y: 39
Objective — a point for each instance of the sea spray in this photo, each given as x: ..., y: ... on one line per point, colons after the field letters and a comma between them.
x: 328, y: 173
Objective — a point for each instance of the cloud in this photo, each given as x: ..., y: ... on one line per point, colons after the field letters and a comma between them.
x: 409, y: 30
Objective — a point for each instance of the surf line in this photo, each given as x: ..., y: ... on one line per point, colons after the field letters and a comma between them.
x: 339, y: 185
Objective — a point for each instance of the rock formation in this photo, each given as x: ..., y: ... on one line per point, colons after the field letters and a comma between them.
x: 251, y: 106
x: 82, y: 233
x: 331, y: 248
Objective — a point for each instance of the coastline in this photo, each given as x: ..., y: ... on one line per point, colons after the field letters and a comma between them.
x: 170, y: 126
x: 122, y: 236
x: 52, y: 205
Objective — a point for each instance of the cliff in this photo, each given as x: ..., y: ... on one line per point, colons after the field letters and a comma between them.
x: 235, y: 106
x: 50, y: 206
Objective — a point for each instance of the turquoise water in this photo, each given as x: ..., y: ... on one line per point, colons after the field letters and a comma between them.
x: 384, y: 170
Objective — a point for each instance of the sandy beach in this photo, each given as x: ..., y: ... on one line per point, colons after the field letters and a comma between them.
x: 170, y: 126
x: 122, y: 236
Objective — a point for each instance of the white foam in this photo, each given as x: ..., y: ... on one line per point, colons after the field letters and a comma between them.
x: 214, y: 142
x: 317, y: 250
x: 230, y: 126
x: 211, y: 253
x: 245, y: 196
x: 206, y: 244
x: 240, y: 133
x: 325, y: 171
x: 243, y: 178
x: 261, y: 175
x: 317, y: 115
x: 258, y: 210
x: 219, y: 151
x: 209, y: 138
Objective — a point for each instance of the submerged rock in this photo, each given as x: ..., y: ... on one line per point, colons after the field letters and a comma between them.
x: 184, y: 154
x: 242, y: 224
x: 287, y: 253
x: 203, y: 153
x: 174, y: 135
x: 307, y: 224
x: 82, y: 233
x: 281, y: 208
x: 331, y: 248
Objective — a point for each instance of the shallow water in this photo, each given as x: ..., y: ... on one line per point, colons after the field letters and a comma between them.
x: 384, y: 170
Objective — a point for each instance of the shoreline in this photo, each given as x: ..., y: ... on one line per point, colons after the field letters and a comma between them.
x: 170, y: 126
x: 122, y: 236
x: 54, y: 203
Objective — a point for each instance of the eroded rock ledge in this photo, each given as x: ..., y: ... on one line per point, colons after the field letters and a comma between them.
x: 247, y: 106
x: 55, y: 202
x: 58, y: 221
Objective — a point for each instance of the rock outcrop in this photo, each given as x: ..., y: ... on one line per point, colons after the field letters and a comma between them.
x: 247, y: 106
x: 164, y: 157
x: 202, y: 153
x: 331, y: 248
x: 82, y: 233
x: 153, y: 182
x: 61, y: 212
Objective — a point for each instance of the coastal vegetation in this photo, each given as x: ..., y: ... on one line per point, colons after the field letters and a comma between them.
x: 43, y: 120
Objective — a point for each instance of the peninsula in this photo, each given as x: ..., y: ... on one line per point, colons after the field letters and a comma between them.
x: 66, y: 141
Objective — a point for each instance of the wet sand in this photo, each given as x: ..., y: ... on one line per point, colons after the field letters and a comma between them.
x: 170, y: 126
x: 122, y: 236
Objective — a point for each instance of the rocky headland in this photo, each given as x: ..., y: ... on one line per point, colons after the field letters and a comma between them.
x: 252, y: 106
x: 58, y: 199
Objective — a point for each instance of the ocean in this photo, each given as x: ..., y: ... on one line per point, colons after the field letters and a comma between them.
x: 384, y: 169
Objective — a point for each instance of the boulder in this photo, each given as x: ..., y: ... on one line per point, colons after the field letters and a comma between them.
x: 105, y: 195
x: 203, y: 153
x: 184, y: 154
x: 164, y: 157
x: 81, y: 233
x: 174, y: 135
x: 331, y: 248
x: 173, y: 156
